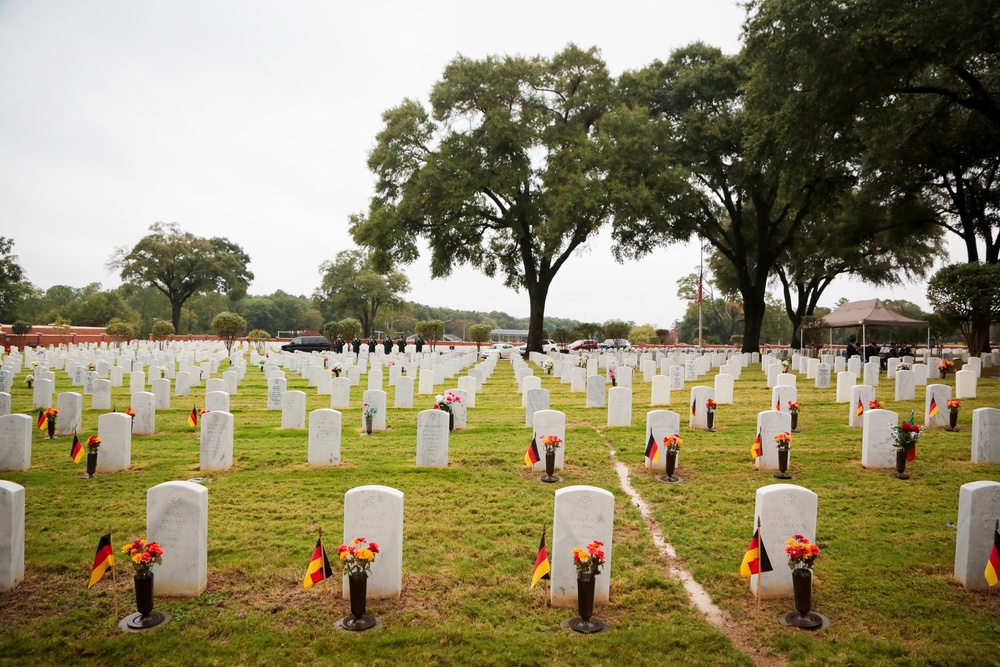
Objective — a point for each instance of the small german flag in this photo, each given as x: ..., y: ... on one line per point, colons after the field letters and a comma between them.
x: 652, y: 449
x: 104, y: 559
x: 757, y: 449
x: 860, y: 409
x: 777, y: 405
x: 542, y: 567
x: 933, y: 410
x: 193, y: 417
x: 42, y: 420
x: 319, y: 566
x: 755, y: 561
x: 694, y: 409
x: 993, y: 563
x: 531, y: 457
x: 76, y: 450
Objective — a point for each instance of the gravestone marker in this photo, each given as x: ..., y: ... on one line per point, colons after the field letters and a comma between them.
x: 100, y: 399
x: 70, y: 419
x: 216, y: 440
x: 4, y: 403
x: 965, y: 383
x: 769, y: 424
x: 432, y: 438
x: 583, y: 514
x: 823, y: 376
x: 537, y: 399
x: 661, y: 423
x: 11, y: 534
x: 697, y: 412
x: 906, y: 385
x: 595, y: 391
x: 845, y: 384
x: 136, y: 382
x: 161, y: 393
x: 376, y: 399
x: 468, y: 385
x: 115, y: 432
x: 217, y: 401
x: 877, y: 450
x: 620, y: 406
x: 15, y: 443
x: 660, y: 393
x: 177, y: 518
x: 376, y: 513
x: 784, y: 510
x: 182, y: 384
x: 293, y: 410
x: 42, y: 394
x: 978, y: 511
x: 861, y: 396
x: 549, y: 422
x: 937, y: 395
x: 276, y: 387
x: 324, y: 437
x: 724, y: 388
x: 144, y: 422
x: 986, y: 435
x: 340, y: 393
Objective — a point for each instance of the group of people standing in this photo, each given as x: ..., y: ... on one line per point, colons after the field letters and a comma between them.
x: 355, y: 344
x: 884, y: 351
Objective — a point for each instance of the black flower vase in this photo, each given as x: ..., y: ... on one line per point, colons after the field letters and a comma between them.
x: 614, y: 382
x: 451, y: 421
x: 795, y: 422
x: 710, y: 420
x: 952, y: 420
x: 550, y: 466
x: 146, y: 618
x: 359, y: 619
x: 51, y: 424
x: 802, y: 590
x: 943, y: 373
x: 368, y: 424
x: 671, y: 468
x: 782, y: 465
x: 585, y: 585
x: 91, y: 463
x: 901, y: 464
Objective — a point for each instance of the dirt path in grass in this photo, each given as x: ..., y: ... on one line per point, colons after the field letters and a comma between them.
x: 717, y: 618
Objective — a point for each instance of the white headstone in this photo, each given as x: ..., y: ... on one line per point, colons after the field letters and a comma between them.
x: 861, y: 396
x: 529, y: 382
x: 595, y: 391
x: 846, y: 381
x: 217, y: 401
x: 578, y: 380
x: 293, y: 410
x: 781, y: 395
x: 936, y: 396
x: 216, y: 440
x: 232, y: 381
x: 660, y: 393
x: 276, y: 387
x: 340, y: 393
x: 460, y: 408
x: 144, y: 422
x: 161, y: 392
x: 697, y: 412
x: 986, y: 435
x: 660, y: 423
x: 786, y: 379
x: 549, y: 422
x: 404, y: 391
x: 136, y: 382
x: 468, y: 385
x: 978, y: 511
x: 620, y: 406
x: 784, y: 510
x: 15, y: 443
x: 769, y: 424
x: 324, y: 437
x: 676, y: 377
x: 177, y: 518
x: 906, y: 385
x: 426, y: 381
x: 11, y: 533
x: 70, y: 419
x: 376, y: 514
x: 537, y: 399
x: 583, y: 514
x: 42, y: 394
x: 100, y: 399
x: 375, y: 379
x: 376, y: 401
x: 115, y: 431
x: 823, y: 376
x: 182, y: 384
x: 965, y: 383
x: 724, y: 388
x: 877, y: 450
x: 4, y: 403
x: 432, y: 438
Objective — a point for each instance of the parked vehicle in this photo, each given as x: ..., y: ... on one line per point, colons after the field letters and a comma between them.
x: 582, y: 345
x: 503, y: 350
x: 620, y: 343
x: 548, y: 345
x: 307, y: 344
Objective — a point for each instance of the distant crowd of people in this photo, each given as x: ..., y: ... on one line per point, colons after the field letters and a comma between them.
x: 884, y: 351
x: 355, y: 344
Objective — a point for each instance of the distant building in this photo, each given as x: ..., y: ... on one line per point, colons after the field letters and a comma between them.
x: 509, y: 335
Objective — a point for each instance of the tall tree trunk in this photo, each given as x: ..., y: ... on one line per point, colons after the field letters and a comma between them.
x: 175, y: 313
x: 537, y: 294
x: 754, y: 306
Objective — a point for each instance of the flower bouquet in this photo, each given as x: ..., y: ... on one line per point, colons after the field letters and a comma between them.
x: 953, y: 405
x: 548, y: 365
x: 801, y: 553
x: 875, y: 404
x: 904, y: 439
x: 551, y: 443
x: 710, y: 406
x: 613, y: 377
x: 582, y: 361
x: 944, y: 366
x: 784, y: 442
x: 793, y: 410
x: 337, y: 369
x: 356, y: 558
x: 588, y: 565
x: 590, y: 561
x: 446, y: 401
x: 144, y: 555
x: 30, y: 381
x: 671, y: 444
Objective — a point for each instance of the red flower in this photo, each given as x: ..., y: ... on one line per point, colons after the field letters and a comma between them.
x: 373, y: 546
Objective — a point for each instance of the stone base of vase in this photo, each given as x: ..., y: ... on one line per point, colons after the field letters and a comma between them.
x: 950, y: 429
x: 669, y: 479
x: 587, y: 627
x: 810, y: 621
x: 782, y: 475
x: 137, y: 621
x: 900, y: 475
x: 129, y: 623
x: 358, y: 623
x: 550, y: 479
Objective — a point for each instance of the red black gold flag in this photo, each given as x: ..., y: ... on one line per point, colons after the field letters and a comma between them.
x: 542, y: 567
x: 42, y: 420
x: 993, y: 564
x: 757, y: 450
x: 104, y: 559
x: 694, y: 409
x: 531, y: 457
x: 193, y: 417
x: 755, y: 561
x: 934, y: 407
x: 319, y: 566
x: 860, y: 409
x: 76, y: 450
x: 652, y: 449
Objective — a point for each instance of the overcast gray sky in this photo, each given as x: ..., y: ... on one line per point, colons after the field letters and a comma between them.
x: 253, y: 120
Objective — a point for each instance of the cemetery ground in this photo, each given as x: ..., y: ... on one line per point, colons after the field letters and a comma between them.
x: 471, y: 532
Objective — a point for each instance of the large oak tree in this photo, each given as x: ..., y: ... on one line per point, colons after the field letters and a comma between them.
x: 505, y: 173
x: 353, y: 286
x: 181, y: 265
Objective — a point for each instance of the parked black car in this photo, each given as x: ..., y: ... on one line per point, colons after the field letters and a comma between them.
x: 307, y: 344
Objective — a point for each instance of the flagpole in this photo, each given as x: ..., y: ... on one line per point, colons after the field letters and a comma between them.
x: 989, y: 591
x: 326, y: 583
x: 114, y: 575
x: 701, y: 276
x: 760, y: 572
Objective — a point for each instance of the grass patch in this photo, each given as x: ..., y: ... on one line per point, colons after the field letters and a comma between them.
x: 471, y: 530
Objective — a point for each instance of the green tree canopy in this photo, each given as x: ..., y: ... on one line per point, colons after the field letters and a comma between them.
x: 228, y: 326
x: 506, y: 174
x: 968, y: 295
x: 120, y: 330
x: 479, y: 333
x: 616, y: 329
x: 353, y: 285
x: 13, y: 286
x: 181, y: 265
x: 349, y: 328
x: 431, y: 331
x: 162, y: 329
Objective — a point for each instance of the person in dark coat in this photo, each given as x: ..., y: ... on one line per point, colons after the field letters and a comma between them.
x: 402, y: 344
x: 356, y: 344
x: 372, y: 343
x: 418, y: 345
x: 851, y: 350
x: 387, y: 345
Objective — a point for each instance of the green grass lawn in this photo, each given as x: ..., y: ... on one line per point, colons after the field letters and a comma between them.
x: 471, y: 532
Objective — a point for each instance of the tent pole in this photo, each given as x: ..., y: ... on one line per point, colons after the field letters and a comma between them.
x: 864, y: 342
